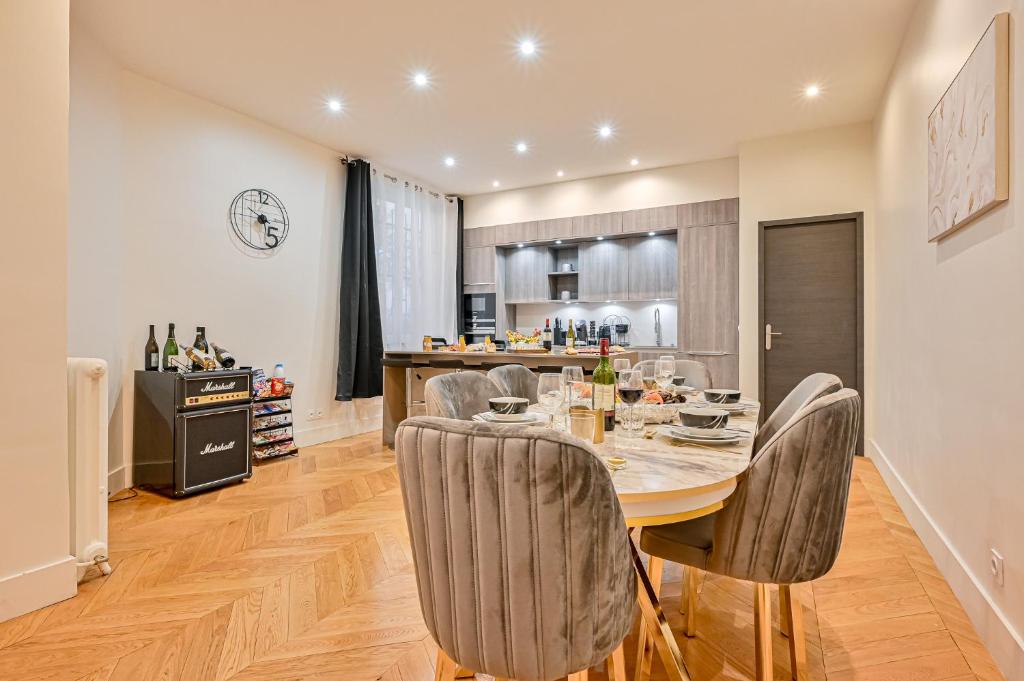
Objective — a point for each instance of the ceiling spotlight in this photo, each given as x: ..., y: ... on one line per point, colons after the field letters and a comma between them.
x: 650, y: 233
x: 420, y: 79
x: 521, y: 147
x: 600, y: 238
x: 558, y: 241
x: 812, y: 91
x: 520, y: 245
x: 334, y: 105
x: 527, y: 47
x: 604, y: 132
x: 560, y: 173
x: 449, y: 161
x: 495, y: 184
x: 634, y: 161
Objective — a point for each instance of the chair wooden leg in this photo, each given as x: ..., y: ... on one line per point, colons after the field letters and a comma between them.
x: 762, y: 633
x: 464, y: 673
x: 617, y: 664
x: 791, y: 618
x: 644, y: 644
x: 579, y: 676
x: 690, y: 589
x: 446, y: 668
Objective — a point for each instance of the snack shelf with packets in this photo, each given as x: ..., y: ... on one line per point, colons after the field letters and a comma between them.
x: 272, y: 433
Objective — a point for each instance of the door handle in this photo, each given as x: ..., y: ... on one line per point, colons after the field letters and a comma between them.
x: 768, y: 333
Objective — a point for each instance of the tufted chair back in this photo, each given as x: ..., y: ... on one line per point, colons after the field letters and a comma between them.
x: 805, y: 392
x: 519, y: 544
x: 459, y: 395
x: 785, y: 521
x: 515, y: 380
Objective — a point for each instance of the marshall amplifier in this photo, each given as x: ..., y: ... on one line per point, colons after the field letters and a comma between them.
x: 193, y: 431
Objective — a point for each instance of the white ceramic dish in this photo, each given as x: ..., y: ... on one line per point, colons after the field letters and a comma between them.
x: 675, y: 434
x: 528, y: 417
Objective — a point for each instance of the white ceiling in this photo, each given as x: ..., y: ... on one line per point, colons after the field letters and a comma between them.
x: 680, y: 80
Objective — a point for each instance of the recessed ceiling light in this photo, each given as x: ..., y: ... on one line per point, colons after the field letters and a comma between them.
x: 495, y: 184
x: 600, y: 238
x: 334, y: 105
x: 558, y: 241
x: 650, y: 233
x: 560, y: 173
x: 527, y: 47
x: 812, y: 91
x: 522, y: 147
x: 607, y: 301
x: 634, y: 161
x: 420, y: 79
x: 449, y: 161
x: 604, y: 132
x: 520, y: 245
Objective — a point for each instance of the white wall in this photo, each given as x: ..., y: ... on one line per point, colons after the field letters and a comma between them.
x: 688, y: 183
x: 820, y: 172
x: 948, y: 340
x: 35, y: 566
x: 153, y: 173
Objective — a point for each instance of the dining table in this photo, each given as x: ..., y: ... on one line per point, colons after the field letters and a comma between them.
x: 668, y: 480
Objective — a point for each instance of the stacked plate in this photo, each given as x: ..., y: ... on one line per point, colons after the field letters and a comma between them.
x: 527, y: 418
x: 733, y: 408
x: 705, y: 436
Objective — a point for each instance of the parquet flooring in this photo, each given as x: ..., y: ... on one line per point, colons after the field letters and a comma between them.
x: 304, y: 572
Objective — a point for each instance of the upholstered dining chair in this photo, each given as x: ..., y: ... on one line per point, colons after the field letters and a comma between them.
x: 515, y: 380
x: 805, y: 392
x: 783, y: 524
x: 459, y: 395
x: 521, y: 554
x: 696, y: 373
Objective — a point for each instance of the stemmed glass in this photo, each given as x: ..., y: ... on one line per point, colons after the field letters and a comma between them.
x: 570, y: 375
x: 620, y: 364
x: 550, y: 393
x: 631, y: 390
x: 664, y: 370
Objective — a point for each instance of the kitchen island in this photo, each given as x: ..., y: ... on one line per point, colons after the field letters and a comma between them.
x: 405, y: 372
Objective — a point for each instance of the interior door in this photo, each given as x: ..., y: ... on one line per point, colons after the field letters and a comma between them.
x: 811, y: 303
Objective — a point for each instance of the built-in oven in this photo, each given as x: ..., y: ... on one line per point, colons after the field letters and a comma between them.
x: 479, y: 312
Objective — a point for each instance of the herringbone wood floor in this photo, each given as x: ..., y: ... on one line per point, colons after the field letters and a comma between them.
x: 304, y: 572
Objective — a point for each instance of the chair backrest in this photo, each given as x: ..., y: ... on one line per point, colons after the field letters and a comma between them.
x: 519, y: 545
x: 784, y: 522
x: 696, y: 373
x: 459, y: 395
x: 805, y: 392
x: 515, y: 380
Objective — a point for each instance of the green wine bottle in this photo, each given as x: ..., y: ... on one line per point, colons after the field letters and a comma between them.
x: 604, y: 388
x: 170, y: 349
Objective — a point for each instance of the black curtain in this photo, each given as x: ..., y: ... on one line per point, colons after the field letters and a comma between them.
x: 460, y: 312
x: 360, y: 345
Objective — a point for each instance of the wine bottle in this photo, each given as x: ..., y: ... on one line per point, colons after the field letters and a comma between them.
x: 200, y: 360
x: 546, y: 335
x: 224, y: 358
x: 570, y: 336
x: 200, y: 344
x: 152, y: 351
x: 604, y: 388
x: 170, y: 349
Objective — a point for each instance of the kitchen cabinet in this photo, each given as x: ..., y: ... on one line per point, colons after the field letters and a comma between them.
x: 478, y: 265
x: 647, y: 219
x: 708, y: 314
x: 550, y: 230
x: 515, y: 233
x: 599, y: 224
x: 718, y: 212
x: 604, y: 270
x: 653, y: 267
x: 480, y: 236
x: 526, y: 274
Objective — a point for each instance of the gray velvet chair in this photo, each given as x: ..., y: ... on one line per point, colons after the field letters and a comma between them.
x: 520, y: 549
x: 805, y: 392
x: 515, y: 380
x: 783, y: 524
x: 459, y: 395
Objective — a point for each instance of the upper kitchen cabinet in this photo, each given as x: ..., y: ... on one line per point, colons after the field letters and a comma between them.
x: 649, y: 219
x: 653, y: 267
x: 478, y: 265
x: 481, y: 236
x: 526, y: 274
x: 515, y: 233
x: 719, y: 212
x: 604, y: 270
x: 599, y: 224
x: 550, y: 230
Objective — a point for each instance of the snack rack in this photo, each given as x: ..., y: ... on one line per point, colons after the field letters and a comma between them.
x: 272, y: 432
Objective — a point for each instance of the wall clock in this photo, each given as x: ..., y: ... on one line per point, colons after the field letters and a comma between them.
x: 259, y: 219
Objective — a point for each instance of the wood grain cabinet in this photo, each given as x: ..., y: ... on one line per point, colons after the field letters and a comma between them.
x: 653, y: 267
x: 604, y: 270
x: 515, y: 233
x: 550, y: 230
x: 647, y: 219
x: 598, y: 224
x: 480, y: 236
x: 526, y: 274
x: 478, y: 265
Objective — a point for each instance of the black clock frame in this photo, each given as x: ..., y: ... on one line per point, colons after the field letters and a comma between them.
x: 236, y: 212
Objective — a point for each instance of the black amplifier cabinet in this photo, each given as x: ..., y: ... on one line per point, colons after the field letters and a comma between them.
x: 193, y: 431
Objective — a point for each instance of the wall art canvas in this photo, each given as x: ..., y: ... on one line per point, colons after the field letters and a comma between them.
x: 968, y: 137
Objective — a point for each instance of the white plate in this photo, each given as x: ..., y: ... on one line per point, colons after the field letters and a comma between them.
x: 734, y: 408
x: 528, y: 417
x: 704, y: 434
x: 673, y: 434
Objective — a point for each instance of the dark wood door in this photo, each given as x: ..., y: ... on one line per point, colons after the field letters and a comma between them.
x: 811, y: 303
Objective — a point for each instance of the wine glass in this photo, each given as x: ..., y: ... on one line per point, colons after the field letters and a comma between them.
x: 550, y: 393
x: 570, y: 375
x: 580, y: 394
x: 631, y: 390
x: 664, y: 369
x: 620, y: 364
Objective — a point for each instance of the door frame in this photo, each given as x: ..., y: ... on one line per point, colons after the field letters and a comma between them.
x: 762, y: 225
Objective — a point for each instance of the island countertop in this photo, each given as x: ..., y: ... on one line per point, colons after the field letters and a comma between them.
x: 531, y: 360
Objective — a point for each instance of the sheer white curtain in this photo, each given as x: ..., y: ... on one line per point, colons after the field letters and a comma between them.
x: 415, y: 235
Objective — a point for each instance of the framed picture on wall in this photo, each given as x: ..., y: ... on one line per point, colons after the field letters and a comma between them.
x: 968, y: 137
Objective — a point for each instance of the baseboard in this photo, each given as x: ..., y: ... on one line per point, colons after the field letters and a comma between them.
x: 1004, y: 643
x: 308, y: 437
x: 117, y: 480
x: 37, y: 587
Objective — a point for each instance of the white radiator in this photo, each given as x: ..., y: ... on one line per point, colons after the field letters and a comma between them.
x: 87, y: 461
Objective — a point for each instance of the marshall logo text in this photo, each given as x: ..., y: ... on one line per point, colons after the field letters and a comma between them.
x: 213, y: 449
x: 211, y: 386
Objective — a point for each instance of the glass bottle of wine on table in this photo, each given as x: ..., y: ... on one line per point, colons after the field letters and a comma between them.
x: 604, y: 388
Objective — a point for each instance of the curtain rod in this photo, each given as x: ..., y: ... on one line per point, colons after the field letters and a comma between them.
x: 345, y: 158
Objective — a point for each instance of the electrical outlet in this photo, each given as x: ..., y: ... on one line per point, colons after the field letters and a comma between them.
x: 995, y: 565
x: 313, y: 415
x: 319, y: 413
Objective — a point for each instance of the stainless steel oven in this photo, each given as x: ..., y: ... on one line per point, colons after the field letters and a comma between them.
x: 479, y: 312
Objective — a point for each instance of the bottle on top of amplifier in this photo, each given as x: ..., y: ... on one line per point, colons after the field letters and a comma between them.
x: 200, y: 344
x: 170, y: 349
x: 200, y: 360
x: 224, y: 358
x: 152, y: 351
